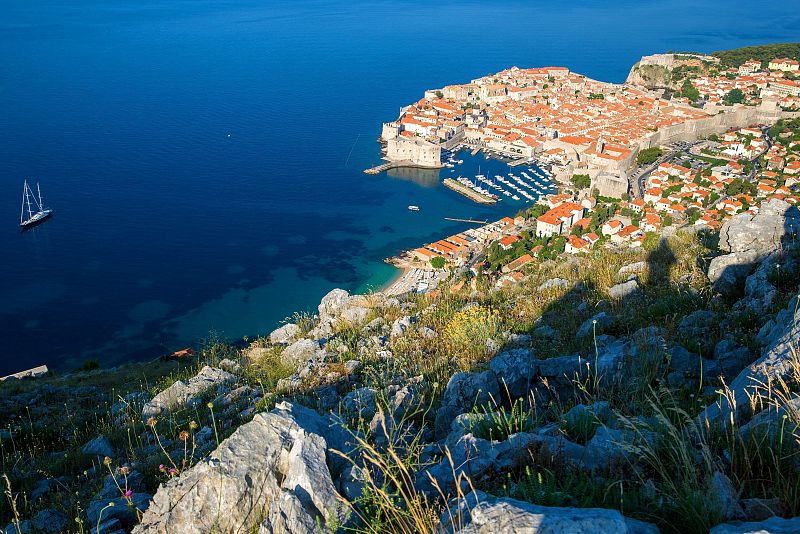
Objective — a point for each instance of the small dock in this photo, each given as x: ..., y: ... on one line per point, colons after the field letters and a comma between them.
x: 475, y: 151
x: 473, y: 221
x: 467, y: 192
x: 518, y: 162
x: 379, y: 169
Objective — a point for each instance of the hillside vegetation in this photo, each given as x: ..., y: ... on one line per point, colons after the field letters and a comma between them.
x: 764, y: 53
x: 602, y: 385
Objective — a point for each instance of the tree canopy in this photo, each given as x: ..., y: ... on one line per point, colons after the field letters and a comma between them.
x: 762, y: 53
x: 648, y: 155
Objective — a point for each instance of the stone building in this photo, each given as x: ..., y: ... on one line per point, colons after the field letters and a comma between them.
x: 414, y: 152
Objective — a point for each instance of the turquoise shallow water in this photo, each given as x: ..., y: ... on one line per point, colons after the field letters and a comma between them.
x: 204, y: 158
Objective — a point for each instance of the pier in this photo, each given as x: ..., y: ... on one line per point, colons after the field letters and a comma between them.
x: 467, y: 192
x: 380, y: 168
x: 475, y: 151
x: 518, y: 162
x: 473, y: 221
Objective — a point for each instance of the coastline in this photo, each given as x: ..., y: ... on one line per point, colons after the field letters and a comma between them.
x: 401, y: 273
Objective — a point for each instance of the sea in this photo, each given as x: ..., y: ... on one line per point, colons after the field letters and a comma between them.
x: 204, y: 158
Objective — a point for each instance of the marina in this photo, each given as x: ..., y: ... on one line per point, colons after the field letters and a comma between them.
x: 525, y: 184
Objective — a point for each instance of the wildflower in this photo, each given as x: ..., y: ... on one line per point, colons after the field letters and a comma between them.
x: 184, y: 435
x: 124, y: 470
x: 151, y: 421
x: 106, y: 461
x: 210, y: 405
x: 193, y: 425
x: 161, y: 467
x: 172, y: 471
x: 128, y: 494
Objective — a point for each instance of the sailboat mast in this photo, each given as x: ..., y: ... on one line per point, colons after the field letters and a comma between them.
x: 28, y: 199
x: 38, y: 190
x: 22, y: 208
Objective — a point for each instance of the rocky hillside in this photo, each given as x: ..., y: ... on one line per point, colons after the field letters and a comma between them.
x: 645, y: 391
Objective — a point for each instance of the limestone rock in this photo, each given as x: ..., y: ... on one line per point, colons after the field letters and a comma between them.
x: 775, y: 364
x: 50, y: 520
x: 728, y: 272
x: 285, y: 335
x: 299, y: 352
x: 479, y: 513
x: 599, y: 324
x: 273, y: 467
x: 773, y: 525
x: 181, y: 394
x: 723, y: 497
x: 333, y: 303
x: 360, y: 403
x: 517, y: 369
x: 463, y: 392
x: 624, y: 289
x: 99, y: 446
x: 355, y: 316
x: 121, y: 511
x: 554, y: 283
x: 762, y: 232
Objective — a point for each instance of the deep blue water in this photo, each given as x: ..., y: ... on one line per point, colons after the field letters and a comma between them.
x: 204, y: 158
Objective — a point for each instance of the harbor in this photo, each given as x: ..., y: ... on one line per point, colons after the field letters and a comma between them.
x: 490, y: 179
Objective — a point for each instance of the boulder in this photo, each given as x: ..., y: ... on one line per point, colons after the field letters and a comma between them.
x: 463, y: 392
x: 698, y: 324
x: 761, y: 509
x: 554, y: 283
x: 624, y: 290
x: 50, y: 520
x: 773, y: 525
x: 271, y: 470
x: 731, y: 357
x: 180, y: 394
x: 517, y: 369
x: 99, y: 446
x: 722, y: 496
x: 582, y: 414
x: 121, y: 510
x: 599, y: 323
x: 759, y: 292
x: 333, y: 303
x: 728, y: 272
x: 479, y: 513
x: 285, y: 335
x: 299, y: 352
x: 360, y: 403
x: 760, y: 233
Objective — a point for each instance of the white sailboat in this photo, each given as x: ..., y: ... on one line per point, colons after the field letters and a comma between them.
x: 34, y: 216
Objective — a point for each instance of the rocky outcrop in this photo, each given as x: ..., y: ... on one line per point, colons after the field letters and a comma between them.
x: 285, y: 335
x: 774, y: 366
x: 750, y: 238
x: 181, y: 395
x: 272, y: 473
x: 479, y: 513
